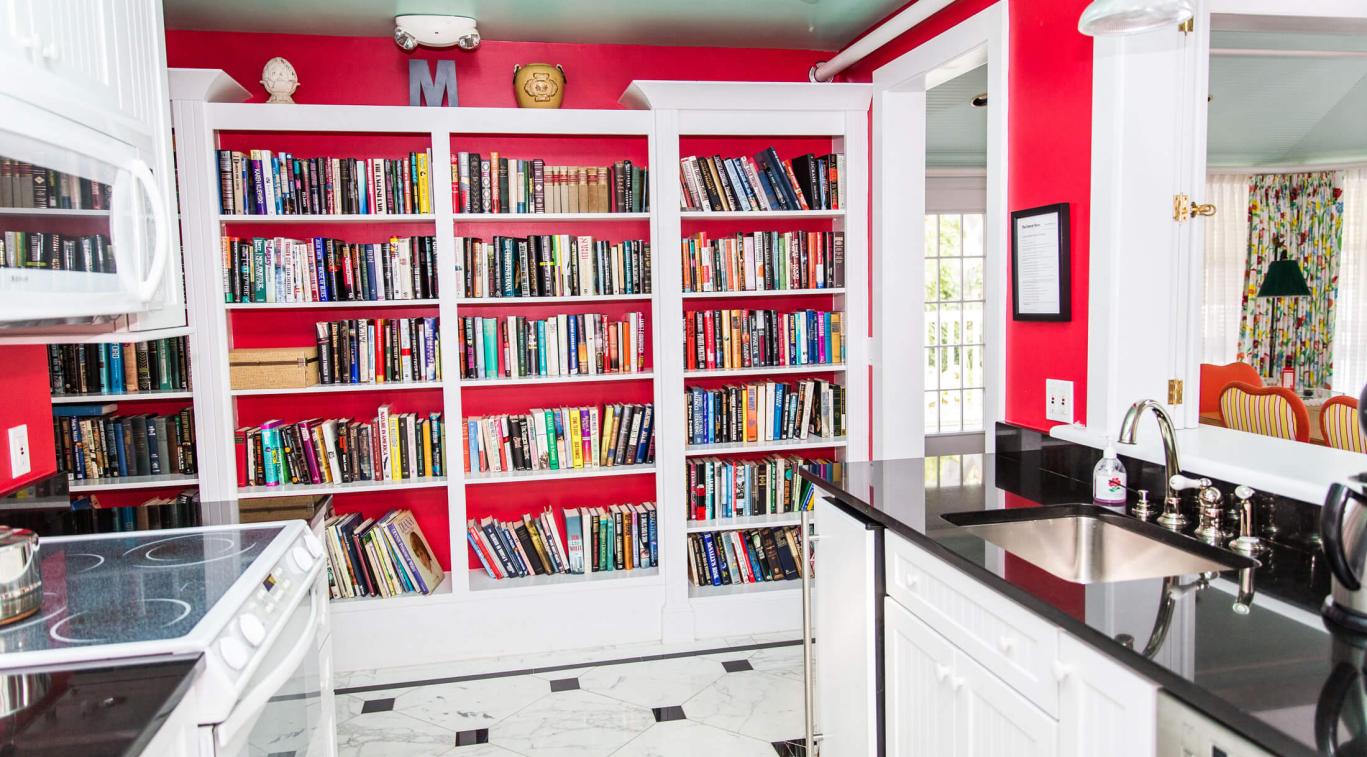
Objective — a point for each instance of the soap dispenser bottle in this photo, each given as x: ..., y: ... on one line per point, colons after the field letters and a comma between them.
x: 1108, y: 480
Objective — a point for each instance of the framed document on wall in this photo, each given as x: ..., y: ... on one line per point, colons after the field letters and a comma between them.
x: 1040, y: 285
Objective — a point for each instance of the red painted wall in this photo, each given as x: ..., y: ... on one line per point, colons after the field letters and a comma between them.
x: 1048, y: 161
x: 25, y: 397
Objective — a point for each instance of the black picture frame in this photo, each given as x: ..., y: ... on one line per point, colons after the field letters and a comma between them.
x: 1065, y: 285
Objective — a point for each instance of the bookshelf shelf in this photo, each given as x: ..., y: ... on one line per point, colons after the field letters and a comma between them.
x: 543, y: 217
x: 778, y: 370
x: 731, y: 215
x: 132, y: 482
x: 576, y: 379
x: 81, y: 399
x: 287, y: 490
x: 781, y: 445
x: 553, y: 475
x: 744, y: 521
x: 118, y: 336
x: 388, y: 386
x: 331, y: 305
x: 764, y: 293
x: 483, y: 301
x: 732, y: 591
x: 53, y: 213
x: 330, y: 218
x: 480, y: 581
x: 367, y: 604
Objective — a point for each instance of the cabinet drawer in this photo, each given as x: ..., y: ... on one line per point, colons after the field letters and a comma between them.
x: 1004, y: 637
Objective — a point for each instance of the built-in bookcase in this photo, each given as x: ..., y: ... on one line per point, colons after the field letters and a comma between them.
x: 473, y: 614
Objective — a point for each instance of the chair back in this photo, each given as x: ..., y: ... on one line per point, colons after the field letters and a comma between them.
x: 1267, y: 410
x: 1339, y: 423
x: 1214, y: 379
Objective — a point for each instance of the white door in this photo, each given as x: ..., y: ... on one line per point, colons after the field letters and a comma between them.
x: 994, y: 720
x: 919, y: 663
x: 843, y: 606
x: 1104, y: 708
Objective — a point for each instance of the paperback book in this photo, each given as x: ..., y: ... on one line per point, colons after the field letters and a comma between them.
x: 25, y: 185
x: 319, y: 269
x: 87, y: 253
x: 552, y: 265
x: 561, y: 438
x: 378, y: 350
x: 262, y: 182
x: 726, y: 488
x: 92, y: 442
x: 579, y: 540
x: 380, y: 557
x: 745, y: 556
x: 763, y: 261
x: 569, y: 344
x: 151, y: 366
x: 765, y: 412
x: 765, y: 182
x: 499, y: 184
x: 731, y: 339
x: 389, y: 447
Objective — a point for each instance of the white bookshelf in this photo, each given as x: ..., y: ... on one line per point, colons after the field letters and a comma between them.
x: 744, y: 522
x: 472, y: 615
x: 351, y: 487
x: 388, y: 386
x: 776, y: 445
x: 96, y: 399
x: 53, y: 213
x: 757, y: 215
x: 740, y: 591
x: 117, y: 483
x: 828, y: 291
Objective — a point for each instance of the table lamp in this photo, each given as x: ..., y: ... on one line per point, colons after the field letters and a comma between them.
x: 1283, y: 279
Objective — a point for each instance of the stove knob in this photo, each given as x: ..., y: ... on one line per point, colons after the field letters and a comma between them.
x: 303, y: 559
x: 234, y: 653
x: 315, y: 547
x: 252, y: 629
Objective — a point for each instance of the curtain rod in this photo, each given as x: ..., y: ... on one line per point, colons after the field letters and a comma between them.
x: 877, y: 37
x: 1256, y: 170
x: 1251, y: 52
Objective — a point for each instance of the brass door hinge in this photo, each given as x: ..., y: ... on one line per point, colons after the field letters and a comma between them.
x: 1184, y: 208
x: 1188, y: 26
x: 1174, y: 391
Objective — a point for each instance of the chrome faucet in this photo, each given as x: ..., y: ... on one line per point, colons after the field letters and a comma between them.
x: 1172, y: 516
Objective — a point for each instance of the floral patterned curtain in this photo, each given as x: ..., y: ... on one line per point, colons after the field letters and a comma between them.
x: 1304, y: 214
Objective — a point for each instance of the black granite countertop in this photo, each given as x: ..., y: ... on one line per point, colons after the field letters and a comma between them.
x: 1261, y: 673
x: 94, y: 710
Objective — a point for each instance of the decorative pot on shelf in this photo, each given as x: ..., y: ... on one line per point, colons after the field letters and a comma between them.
x: 539, y: 85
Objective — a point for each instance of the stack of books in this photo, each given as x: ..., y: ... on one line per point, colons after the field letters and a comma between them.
x: 569, y: 344
x: 587, y: 540
x: 155, y: 365
x: 278, y: 269
x: 259, y: 182
x: 741, y: 488
x: 384, y: 557
x: 378, y: 350
x: 552, y: 265
x: 500, y: 184
x: 390, y: 447
x: 24, y: 185
x: 765, y: 412
x: 92, y: 442
x: 729, y: 339
x: 750, y: 556
x: 766, y: 182
x: 764, y: 261
x: 561, y: 438
x: 87, y: 253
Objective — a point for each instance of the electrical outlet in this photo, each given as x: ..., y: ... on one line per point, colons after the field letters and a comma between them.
x: 20, y: 461
x: 1058, y: 400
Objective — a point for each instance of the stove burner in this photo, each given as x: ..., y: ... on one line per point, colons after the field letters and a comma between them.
x: 98, y: 561
x: 187, y: 549
x: 93, y: 626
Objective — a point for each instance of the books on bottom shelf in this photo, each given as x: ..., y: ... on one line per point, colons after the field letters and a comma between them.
x: 739, y: 488
x: 89, y: 516
x: 581, y: 541
x: 390, y: 447
x: 561, y: 438
x: 750, y: 556
x: 384, y: 557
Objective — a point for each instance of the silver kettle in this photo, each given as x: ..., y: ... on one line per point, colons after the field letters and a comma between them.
x: 21, y: 583
x: 1343, y: 532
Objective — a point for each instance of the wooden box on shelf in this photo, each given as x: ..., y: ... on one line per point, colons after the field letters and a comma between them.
x: 267, y: 509
x: 273, y: 368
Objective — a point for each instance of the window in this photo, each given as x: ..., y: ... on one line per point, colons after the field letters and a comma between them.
x: 955, y: 337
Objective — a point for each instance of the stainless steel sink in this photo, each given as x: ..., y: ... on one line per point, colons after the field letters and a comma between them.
x: 1086, y: 544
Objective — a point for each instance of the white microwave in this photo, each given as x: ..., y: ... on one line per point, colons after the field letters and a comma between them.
x: 85, y: 231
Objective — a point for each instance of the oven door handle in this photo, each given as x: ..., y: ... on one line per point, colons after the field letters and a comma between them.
x: 253, y: 702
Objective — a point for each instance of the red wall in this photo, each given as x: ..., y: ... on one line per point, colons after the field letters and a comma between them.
x: 1048, y: 161
x: 25, y: 397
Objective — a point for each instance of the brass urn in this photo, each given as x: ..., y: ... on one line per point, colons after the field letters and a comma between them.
x: 539, y: 85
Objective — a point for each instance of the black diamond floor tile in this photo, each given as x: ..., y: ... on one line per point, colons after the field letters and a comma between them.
x: 378, y: 705
x: 790, y: 748
x: 666, y: 714
x: 737, y: 666
x: 472, y: 737
x: 564, y: 684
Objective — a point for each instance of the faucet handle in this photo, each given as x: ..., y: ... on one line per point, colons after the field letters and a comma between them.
x: 1243, y: 493
x: 1178, y: 482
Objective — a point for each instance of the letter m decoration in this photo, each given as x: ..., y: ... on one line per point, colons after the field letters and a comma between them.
x: 424, y: 89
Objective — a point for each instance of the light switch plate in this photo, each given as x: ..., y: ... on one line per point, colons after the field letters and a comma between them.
x: 20, y: 460
x: 1058, y: 400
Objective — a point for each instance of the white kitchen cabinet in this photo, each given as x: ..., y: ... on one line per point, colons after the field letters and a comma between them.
x: 1104, y: 707
x: 994, y: 720
x: 846, y: 655
x: 921, y: 713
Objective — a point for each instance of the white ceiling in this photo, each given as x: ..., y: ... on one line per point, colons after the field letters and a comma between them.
x: 956, y: 132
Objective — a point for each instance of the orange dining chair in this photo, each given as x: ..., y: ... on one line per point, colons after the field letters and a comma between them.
x: 1339, y: 424
x: 1267, y: 410
x: 1214, y: 379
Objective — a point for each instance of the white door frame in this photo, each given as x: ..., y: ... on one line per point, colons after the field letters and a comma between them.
x: 899, y: 204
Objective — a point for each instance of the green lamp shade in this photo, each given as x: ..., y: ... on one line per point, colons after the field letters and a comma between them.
x: 1284, y: 279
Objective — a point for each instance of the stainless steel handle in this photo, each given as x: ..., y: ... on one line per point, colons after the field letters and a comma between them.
x: 808, y: 693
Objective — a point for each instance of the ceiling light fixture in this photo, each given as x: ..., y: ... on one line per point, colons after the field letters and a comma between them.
x: 1113, y: 17
x: 431, y: 30
x: 979, y: 100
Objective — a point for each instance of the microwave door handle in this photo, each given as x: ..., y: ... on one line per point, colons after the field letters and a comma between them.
x: 253, y: 702
x: 161, y: 236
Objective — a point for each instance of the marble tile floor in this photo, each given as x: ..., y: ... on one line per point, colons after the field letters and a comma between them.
x: 739, y: 697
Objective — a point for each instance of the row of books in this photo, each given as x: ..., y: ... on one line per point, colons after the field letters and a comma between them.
x: 379, y: 557
x: 730, y: 339
x: 729, y: 488
x: 378, y: 350
x: 765, y: 412
x: 180, y: 510
x: 561, y: 438
x: 92, y: 442
x: 568, y: 344
x: 87, y: 253
x: 499, y: 184
x: 590, y: 540
x: 745, y: 556
x: 763, y: 261
x: 389, y: 447
x: 154, y: 365
x: 24, y: 185
x: 279, y: 269
x: 766, y: 182
x: 553, y: 265
x: 259, y: 182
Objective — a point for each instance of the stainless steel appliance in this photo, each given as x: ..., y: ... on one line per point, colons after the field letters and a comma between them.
x: 21, y: 583
x: 1343, y: 531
